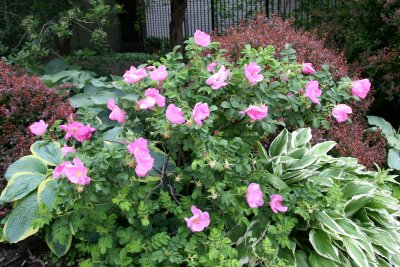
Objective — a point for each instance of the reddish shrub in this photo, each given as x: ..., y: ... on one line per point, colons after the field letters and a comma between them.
x: 24, y: 100
x: 263, y: 31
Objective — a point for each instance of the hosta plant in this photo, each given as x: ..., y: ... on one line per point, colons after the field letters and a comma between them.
x: 167, y: 166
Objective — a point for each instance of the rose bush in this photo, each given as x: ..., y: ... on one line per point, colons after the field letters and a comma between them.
x: 179, y: 175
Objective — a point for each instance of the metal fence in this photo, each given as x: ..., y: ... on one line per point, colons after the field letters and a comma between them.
x: 220, y: 15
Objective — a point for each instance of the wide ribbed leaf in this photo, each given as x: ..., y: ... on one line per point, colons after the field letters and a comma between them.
x: 60, y: 229
x: 357, y: 202
x: 50, y: 152
x: 20, y: 185
x: 19, y: 222
x: 47, y: 192
x: 27, y: 164
x: 279, y: 145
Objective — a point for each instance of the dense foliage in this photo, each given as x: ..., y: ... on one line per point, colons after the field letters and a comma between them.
x: 23, y: 100
x: 370, y: 39
x: 167, y: 167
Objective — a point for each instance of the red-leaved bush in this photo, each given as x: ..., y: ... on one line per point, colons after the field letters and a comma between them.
x: 262, y: 31
x: 24, y: 100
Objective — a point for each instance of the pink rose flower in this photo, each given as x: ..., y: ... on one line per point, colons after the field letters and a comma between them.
x: 174, y: 114
x: 153, y: 97
x: 59, y: 169
x: 341, y: 111
x: 198, y: 221
x: 76, y: 172
x: 256, y: 112
x: 307, y: 68
x: 159, y: 74
x: 78, y: 131
x: 38, y: 128
x: 312, y: 91
x: 217, y: 80
x: 252, y: 73
x: 116, y: 114
x: 67, y: 149
x: 144, y: 161
x: 276, y: 204
x: 211, y: 66
x: 134, y: 75
x: 361, y: 88
x: 202, y: 38
x: 200, y: 113
x: 254, y: 196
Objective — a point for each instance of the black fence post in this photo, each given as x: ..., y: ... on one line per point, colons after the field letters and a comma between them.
x: 212, y: 16
x: 267, y: 7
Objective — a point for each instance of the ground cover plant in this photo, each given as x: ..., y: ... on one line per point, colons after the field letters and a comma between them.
x: 166, y: 166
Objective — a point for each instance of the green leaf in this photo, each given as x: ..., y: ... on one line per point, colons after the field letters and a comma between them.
x: 385, y: 126
x: 19, y: 222
x: 357, y: 202
x: 50, y: 152
x: 102, y: 97
x: 81, y: 100
x: 355, y: 252
x: 279, y: 145
x: 20, y: 185
x: 160, y: 158
x: 322, y: 244
x: 321, y: 149
x: 275, y: 181
x: 319, y: 261
x: 27, y: 164
x: 394, y: 159
x: 112, y: 134
x: 301, y: 137
x: 48, y: 192
x: 130, y: 97
x: 354, y: 188
x: 327, y: 221
x: 301, y: 259
x: 59, y: 237
x: 298, y: 164
x: 262, y: 151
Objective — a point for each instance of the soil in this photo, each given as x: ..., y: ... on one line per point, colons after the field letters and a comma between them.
x: 30, y: 252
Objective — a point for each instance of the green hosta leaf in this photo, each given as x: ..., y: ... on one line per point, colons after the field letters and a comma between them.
x: 275, y: 181
x: 322, y: 244
x: 19, y: 222
x: 27, y: 164
x: 383, y: 239
x: 394, y: 159
x: 319, y: 261
x: 59, y: 237
x: 357, y: 202
x: 383, y: 263
x: 113, y: 134
x: 102, y: 97
x: 354, y: 188
x: 160, y: 158
x: 130, y: 97
x: 327, y: 221
x: 50, y: 152
x: 301, y: 259
x: 279, y: 145
x: 298, y: 164
x: 385, y: 126
x: 20, y: 185
x: 394, y: 141
x: 301, y: 137
x: 81, y: 100
x: 47, y: 192
x: 355, y: 252
x: 297, y: 153
x: 262, y: 151
x: 321, y: 149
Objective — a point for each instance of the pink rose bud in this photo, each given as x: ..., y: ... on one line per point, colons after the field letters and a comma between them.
x: 307, y: 68
x: 38, y: 128
x: 134, y: 75
x: 139, y: 149
x: 254, y: 196
x: 159, y: 74
x: 200, y: 113
x: 216, y: 132
x: 202, y: 38
x: 361, y: 88
x: 341, y: 111
x: 256, y: 112
x: 276, y: 204
x: 211, y: 66
x: 217, y: 80
x: 174, y: 114
x: 198, y: 221
x: 251, y: 72
x: 313, y: 92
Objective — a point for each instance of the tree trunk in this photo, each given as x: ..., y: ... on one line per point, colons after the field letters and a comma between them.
x: 178, y: 9
x: 63, y: 44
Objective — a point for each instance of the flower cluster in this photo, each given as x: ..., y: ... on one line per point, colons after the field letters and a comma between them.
x: 117, y: 114
x: 78, y: 131
x: 144, y: 161
x: 75, y: 172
